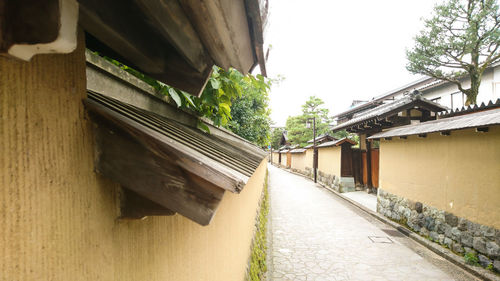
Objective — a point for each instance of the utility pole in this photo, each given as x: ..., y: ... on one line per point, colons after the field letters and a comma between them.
x: 315, y: 152
x: 315, y: 164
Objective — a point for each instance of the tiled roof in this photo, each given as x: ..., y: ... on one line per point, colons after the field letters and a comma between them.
x: 387, y: 109
x: 298, y: 150
x: 472, y: 120
x: 470, y: 109
x: 336, y: 143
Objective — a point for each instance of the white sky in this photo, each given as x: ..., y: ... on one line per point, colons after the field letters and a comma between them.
x: 339, y: 50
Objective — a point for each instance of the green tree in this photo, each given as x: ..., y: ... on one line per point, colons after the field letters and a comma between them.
x: 250, y: 113
x: 276, y: 137
x: 460, y: 39
x: 296, y: 126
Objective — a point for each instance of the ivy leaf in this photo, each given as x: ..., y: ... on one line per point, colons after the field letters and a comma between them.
x: 188, y: 98
x: 215, y: 83
x: 175, y: 96
x: 225, y: 108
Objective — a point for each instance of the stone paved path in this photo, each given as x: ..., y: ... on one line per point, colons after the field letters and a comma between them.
x: 317, y: 236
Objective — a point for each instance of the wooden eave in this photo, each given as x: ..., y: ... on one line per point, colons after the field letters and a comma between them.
x: 389, y: 118
x: 177, y: 42
x: 176, y: 167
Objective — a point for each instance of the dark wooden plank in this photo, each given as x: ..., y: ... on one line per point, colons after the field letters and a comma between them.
x: 135, y: 206
x: 220, y: 27
x: 171, y: 21
x: 129, y: 34
x: 143, y: 165
x: 186, y: 158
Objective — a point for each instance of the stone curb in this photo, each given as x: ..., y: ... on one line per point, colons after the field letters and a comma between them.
x: 443, y: 252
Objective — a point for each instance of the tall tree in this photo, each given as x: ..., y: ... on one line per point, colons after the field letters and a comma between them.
x: 296, y: 126
x: 250, y: 113
x: 276, y: 137
x: 460, y: 39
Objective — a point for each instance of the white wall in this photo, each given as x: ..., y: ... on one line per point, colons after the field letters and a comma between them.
x: 488, y: 90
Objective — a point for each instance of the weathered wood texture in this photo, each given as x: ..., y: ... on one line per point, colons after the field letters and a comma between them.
x: 176, y: 42
x: 135, y: 206
x: 147, y: 167
x: 170, y: 164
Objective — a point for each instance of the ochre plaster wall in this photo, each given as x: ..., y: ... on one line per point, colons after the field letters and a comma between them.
x: 283, y: 159
x: 459, y: 173
x: 276, y: 157
x: 329, y: 160
x: 299, y: 161
x: 309, y: 158
x: 59, y: 219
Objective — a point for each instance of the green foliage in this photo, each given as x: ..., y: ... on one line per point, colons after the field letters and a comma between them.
x: 250, y: 113
x: 230, y: 99
x: 258, y: 266
x: 471, y: 258
x: 276, y: 137
x: 461, y: 38
x: 296, y: 126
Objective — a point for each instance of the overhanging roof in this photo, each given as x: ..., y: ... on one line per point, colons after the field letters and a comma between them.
x: 177, y: 42
x: 298, y: 150
x: 322, y: 138
x: 385, y: 110
x: 175, y: 166
x: 337, y: 143
x: 473, y: 120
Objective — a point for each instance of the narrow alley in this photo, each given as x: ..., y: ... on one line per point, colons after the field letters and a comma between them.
x: 315, y: 235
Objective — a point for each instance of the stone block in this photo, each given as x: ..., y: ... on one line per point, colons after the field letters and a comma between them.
x: 441, y: 227
x: 434, y: 236
x: 479, y: 244
x: 462, y: 224
x: 484, y: 261
x: 441, y: 238
x: 450, y: 219
x: 457, y: 247
x: 429, y: 223
x: 466, y: 239
x: 493, y: 250
x: 487, y: 232
x: 473, y: 228
x: 447, y: 230
x: 424, y: 232
x: 455, y: 233
x: 469, y: 250
x: 496, y: 265
x: 418, y: 207
x: 447, y: 241
x: 407, y: 213
x: 420, y: 220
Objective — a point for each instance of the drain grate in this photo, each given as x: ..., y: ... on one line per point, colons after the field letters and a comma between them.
x: 380, y: 239
x: 394, y: 233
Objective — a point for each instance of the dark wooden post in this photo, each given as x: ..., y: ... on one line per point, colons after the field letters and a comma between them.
x: 368, y: 163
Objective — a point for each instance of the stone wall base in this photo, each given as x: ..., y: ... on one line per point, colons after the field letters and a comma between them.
x: 456, y: 233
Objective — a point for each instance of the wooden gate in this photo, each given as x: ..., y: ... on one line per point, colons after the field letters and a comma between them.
x: 374, y: 167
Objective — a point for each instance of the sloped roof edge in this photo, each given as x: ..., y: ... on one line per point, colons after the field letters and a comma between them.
x: 473, y: 120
